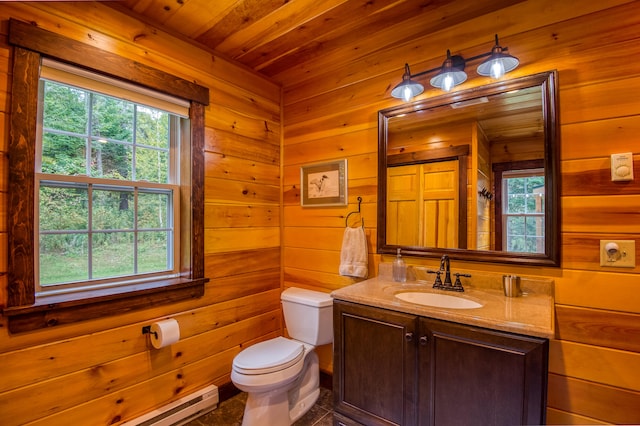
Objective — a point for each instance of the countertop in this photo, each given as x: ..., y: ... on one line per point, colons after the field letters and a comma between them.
x: 531, y: 314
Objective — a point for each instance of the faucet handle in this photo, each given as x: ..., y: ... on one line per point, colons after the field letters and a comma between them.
x: 457, y: 286
x: 438, y: 282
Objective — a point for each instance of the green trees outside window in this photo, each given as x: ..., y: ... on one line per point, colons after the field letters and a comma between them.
x: 524, y: 214
x: 106, y: 187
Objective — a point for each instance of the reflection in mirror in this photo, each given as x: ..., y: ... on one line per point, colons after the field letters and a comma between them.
x: 473, y: 174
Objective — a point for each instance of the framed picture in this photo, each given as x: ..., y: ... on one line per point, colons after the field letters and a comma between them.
x: 324, y: 184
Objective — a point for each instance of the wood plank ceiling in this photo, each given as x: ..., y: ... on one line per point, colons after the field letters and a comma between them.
x: 276, y: 36
x: 291, y: 41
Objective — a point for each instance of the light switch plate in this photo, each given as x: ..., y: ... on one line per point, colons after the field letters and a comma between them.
x: 625, y: 258
x: 622, y: 166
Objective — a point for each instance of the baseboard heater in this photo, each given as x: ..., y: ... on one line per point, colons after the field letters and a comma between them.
x: 181, y: 411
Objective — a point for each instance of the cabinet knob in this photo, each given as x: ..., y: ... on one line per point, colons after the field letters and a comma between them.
x: 408, y: 336
x: 424, y: 340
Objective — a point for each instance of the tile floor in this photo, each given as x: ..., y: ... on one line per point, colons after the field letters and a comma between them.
x: 229, y: 412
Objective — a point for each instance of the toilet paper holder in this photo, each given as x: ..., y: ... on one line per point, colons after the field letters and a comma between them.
x: 147, y: 330
x: 163, y: 333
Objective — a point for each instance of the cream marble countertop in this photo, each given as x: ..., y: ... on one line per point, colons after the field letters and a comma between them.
x: 531, y: 314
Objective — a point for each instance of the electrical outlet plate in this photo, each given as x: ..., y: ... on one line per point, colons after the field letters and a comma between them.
x: 626, y: 258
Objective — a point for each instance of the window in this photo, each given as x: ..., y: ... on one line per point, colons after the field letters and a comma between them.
x: 106, y: 180
x: 520, y: 210
x: 523, y: 211
x: 149, y: 212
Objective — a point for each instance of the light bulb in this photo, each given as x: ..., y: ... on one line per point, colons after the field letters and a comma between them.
x: 406, y: 94
x: 497, y: 69
x: 447, y: 82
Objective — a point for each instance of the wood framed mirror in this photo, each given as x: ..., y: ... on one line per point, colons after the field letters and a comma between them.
x: 473, y: 174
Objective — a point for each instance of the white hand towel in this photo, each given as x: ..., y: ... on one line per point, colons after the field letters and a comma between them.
x: 353, y: 257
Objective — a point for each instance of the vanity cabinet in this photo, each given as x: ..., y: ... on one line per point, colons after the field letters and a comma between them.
x: 374, y: 365
x: 470, y: 375
x: 392, y: 368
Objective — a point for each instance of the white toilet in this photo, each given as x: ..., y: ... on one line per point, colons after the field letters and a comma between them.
x: 281, y: 376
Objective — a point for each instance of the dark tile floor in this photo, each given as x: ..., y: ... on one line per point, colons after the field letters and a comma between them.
x: 229, y: 412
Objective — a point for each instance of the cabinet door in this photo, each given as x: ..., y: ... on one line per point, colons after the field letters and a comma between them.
x: 374, y: 372
x: 471, y: 375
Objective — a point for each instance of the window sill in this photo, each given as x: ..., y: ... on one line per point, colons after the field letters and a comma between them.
x: 52, y: 311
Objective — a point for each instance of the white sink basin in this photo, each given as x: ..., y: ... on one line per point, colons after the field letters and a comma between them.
x: 437, y: 300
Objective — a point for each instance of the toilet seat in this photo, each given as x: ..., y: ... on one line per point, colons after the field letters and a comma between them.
x: 270, y: 356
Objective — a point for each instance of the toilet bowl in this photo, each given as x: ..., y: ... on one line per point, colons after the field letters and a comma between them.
x: 281, y: 375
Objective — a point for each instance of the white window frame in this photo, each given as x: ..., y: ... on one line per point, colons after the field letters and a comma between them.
x: 515, y: 174
x: 179, y: 112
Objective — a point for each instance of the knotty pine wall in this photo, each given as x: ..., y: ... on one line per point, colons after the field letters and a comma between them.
x: 330, y: 112
x: 103, y: 371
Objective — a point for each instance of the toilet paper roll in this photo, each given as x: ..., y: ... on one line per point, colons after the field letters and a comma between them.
x: 165, y: 333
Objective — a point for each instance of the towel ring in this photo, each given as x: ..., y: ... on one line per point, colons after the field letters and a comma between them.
x: 346, y: 219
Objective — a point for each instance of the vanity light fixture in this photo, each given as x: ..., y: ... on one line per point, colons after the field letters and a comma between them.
x: 499, y: 63
x: 451, y: 73
x: 408, y: 88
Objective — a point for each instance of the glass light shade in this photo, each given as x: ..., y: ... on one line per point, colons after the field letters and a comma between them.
x: 447, y: 79
x: 407, y: 89
x: 498, y: 64
x: 451, y: 73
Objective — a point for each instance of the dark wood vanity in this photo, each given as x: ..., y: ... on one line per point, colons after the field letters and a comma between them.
x: 392, y: 368
x: 400, y: 363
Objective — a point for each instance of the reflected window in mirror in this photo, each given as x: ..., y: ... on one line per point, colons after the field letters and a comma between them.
x: 520, y: 194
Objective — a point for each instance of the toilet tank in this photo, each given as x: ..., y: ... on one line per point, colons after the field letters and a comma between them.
x: 308, y: 315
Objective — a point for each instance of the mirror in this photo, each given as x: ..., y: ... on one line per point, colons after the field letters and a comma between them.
x: 473, y: 174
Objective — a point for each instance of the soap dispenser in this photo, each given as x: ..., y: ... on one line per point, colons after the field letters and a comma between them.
x: 399, y: 269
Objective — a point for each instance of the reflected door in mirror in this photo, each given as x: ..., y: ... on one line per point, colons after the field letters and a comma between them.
x: 422, y: 205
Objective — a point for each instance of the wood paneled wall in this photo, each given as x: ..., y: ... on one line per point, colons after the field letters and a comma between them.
x: 105, y: 371
x: 330, y: 112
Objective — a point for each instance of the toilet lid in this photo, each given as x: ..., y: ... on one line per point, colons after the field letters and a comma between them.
x: 269, y: 356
